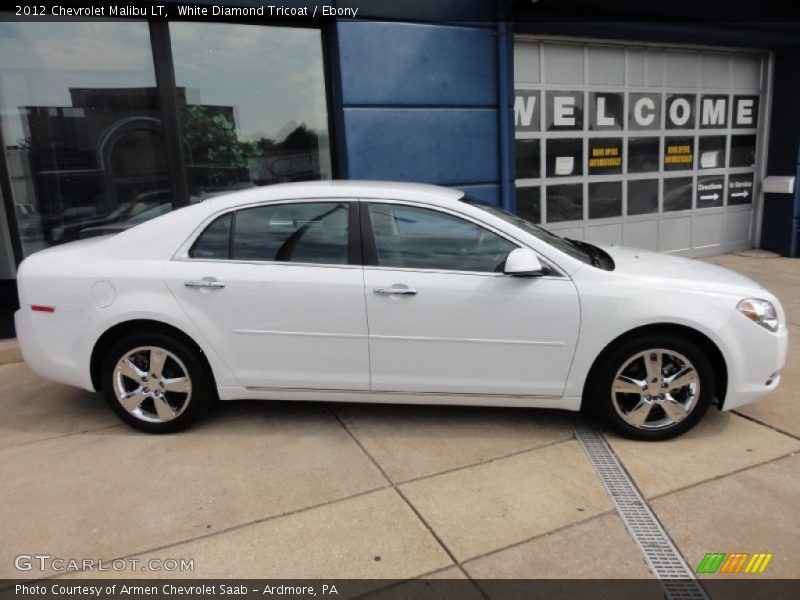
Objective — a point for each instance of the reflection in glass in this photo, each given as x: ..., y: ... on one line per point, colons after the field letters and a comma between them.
x: 312, y: 232
x: 642, y: 196
x: 528, y: 158
x: 743, y: 150
x: 643, y: 155
x: 81, y: 128
x: 605, y: 199
x: 418, y: 238
x: 252, y: 105
x: 214, y: 242
x: 564, y: 202
x: 677, y: 193
x: 529, y: 203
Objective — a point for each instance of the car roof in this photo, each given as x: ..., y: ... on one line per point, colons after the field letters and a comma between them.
x: 397, y: 190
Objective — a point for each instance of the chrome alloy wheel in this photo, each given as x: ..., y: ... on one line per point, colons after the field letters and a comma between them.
x: 655, y: 389
x: 152, y: 384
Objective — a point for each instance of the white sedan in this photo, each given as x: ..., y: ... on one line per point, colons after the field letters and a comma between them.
x: 387, y: 292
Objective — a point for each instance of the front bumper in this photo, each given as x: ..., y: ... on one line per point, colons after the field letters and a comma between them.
x: 755, y: 355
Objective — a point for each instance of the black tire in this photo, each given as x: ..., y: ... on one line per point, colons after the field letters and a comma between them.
x: 202, y: 394
x: 599, y: 394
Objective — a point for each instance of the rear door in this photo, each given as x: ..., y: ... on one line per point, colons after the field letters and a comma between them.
x: 279, y: 293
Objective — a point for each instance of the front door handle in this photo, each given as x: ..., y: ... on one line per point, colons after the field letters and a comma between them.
x: 206, y: 282
x: 397, y: 289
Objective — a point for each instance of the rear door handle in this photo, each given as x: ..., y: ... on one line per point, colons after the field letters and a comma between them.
x: 396, y: 289
x: 206, y: 282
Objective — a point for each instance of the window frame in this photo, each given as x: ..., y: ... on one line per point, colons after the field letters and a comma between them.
x: 354, y: 244
x: 370, y: 250
x: 166, y: 89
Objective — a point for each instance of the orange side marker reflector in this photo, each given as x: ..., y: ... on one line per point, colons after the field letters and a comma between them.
x: 40, y: 308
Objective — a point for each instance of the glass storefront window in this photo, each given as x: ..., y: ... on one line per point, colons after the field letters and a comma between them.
x: 677, y: 194
x: 642, y: 196
x: 528, y: 158
x: 529, y: 204
x: 564, y: 202
x: 252, y: 105
x: 678, y: 153
x: 743, y: 151
x: 80, y: 128
x: 711, y: 151
x: 605, y: 199
x: 643, y: 155
x: 564, y: 157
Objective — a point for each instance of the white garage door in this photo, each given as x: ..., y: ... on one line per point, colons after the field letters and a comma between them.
x: 642, y: 146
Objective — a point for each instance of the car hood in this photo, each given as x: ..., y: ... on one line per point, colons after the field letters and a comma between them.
x: 670, y: 270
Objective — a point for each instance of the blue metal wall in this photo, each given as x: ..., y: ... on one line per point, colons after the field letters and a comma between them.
x: 780, y: 225
x: 419, y: 102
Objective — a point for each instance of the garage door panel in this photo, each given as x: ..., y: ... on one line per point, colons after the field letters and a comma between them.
x: 737, y: 226
x: 716, y: 70
x: 637, y: 62
x: 681, y: 70
x: 563, y: 63
x: 655, y: 68
x: 648, y: 146
x: 708, y: 230
x: 675, y: 234
x: 747, y: 72
x: 606, y: 65
x: 605, y: 234
x: 641, y: 234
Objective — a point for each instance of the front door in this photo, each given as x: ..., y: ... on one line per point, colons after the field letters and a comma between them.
x: 443, y: 317
x: 283, y: 302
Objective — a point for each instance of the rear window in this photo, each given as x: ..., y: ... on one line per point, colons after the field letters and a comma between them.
x: 214, y: 242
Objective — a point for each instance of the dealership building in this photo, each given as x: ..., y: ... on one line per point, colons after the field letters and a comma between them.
x: 624, y: 128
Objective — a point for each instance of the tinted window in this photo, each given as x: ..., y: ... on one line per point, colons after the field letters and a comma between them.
x: 251, y: 103
x: 214, y: 242
x: 426, y: 239
x: 313, y: 232
x: 642, y: 196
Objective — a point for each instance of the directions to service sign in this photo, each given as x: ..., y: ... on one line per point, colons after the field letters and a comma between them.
x: 710, y: 191
x: 740, y: 189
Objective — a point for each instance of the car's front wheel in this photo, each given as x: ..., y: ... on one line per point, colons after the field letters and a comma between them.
x: 654, y: 387
x: 156, y: 383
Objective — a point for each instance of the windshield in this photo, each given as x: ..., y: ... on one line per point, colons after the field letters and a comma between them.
x: 549, y: 238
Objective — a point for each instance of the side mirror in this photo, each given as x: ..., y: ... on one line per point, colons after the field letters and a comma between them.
x: 523, y: 262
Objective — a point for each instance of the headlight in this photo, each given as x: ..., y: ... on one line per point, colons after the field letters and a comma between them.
x: 760, y: 311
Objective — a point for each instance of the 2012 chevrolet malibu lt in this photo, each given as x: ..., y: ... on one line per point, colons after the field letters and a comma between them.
x: 388, y: 292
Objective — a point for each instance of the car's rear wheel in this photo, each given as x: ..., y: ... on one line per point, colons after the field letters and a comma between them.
x: 156, y: 383
x: 654, y: 387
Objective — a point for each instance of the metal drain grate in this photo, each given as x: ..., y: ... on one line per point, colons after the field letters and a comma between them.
x: 664, y: 560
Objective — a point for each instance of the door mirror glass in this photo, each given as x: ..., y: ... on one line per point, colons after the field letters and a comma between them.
x: 523, y: 262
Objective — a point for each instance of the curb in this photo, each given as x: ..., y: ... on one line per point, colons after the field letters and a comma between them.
x: 9, y: 352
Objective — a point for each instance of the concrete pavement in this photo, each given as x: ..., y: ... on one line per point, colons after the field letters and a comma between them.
x: 313, y: 490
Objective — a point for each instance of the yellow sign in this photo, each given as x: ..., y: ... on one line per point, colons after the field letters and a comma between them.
x: 605, y: 156
x: 678, y: 154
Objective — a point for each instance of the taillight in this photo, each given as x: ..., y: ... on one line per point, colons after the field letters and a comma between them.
x: 40, y: 308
